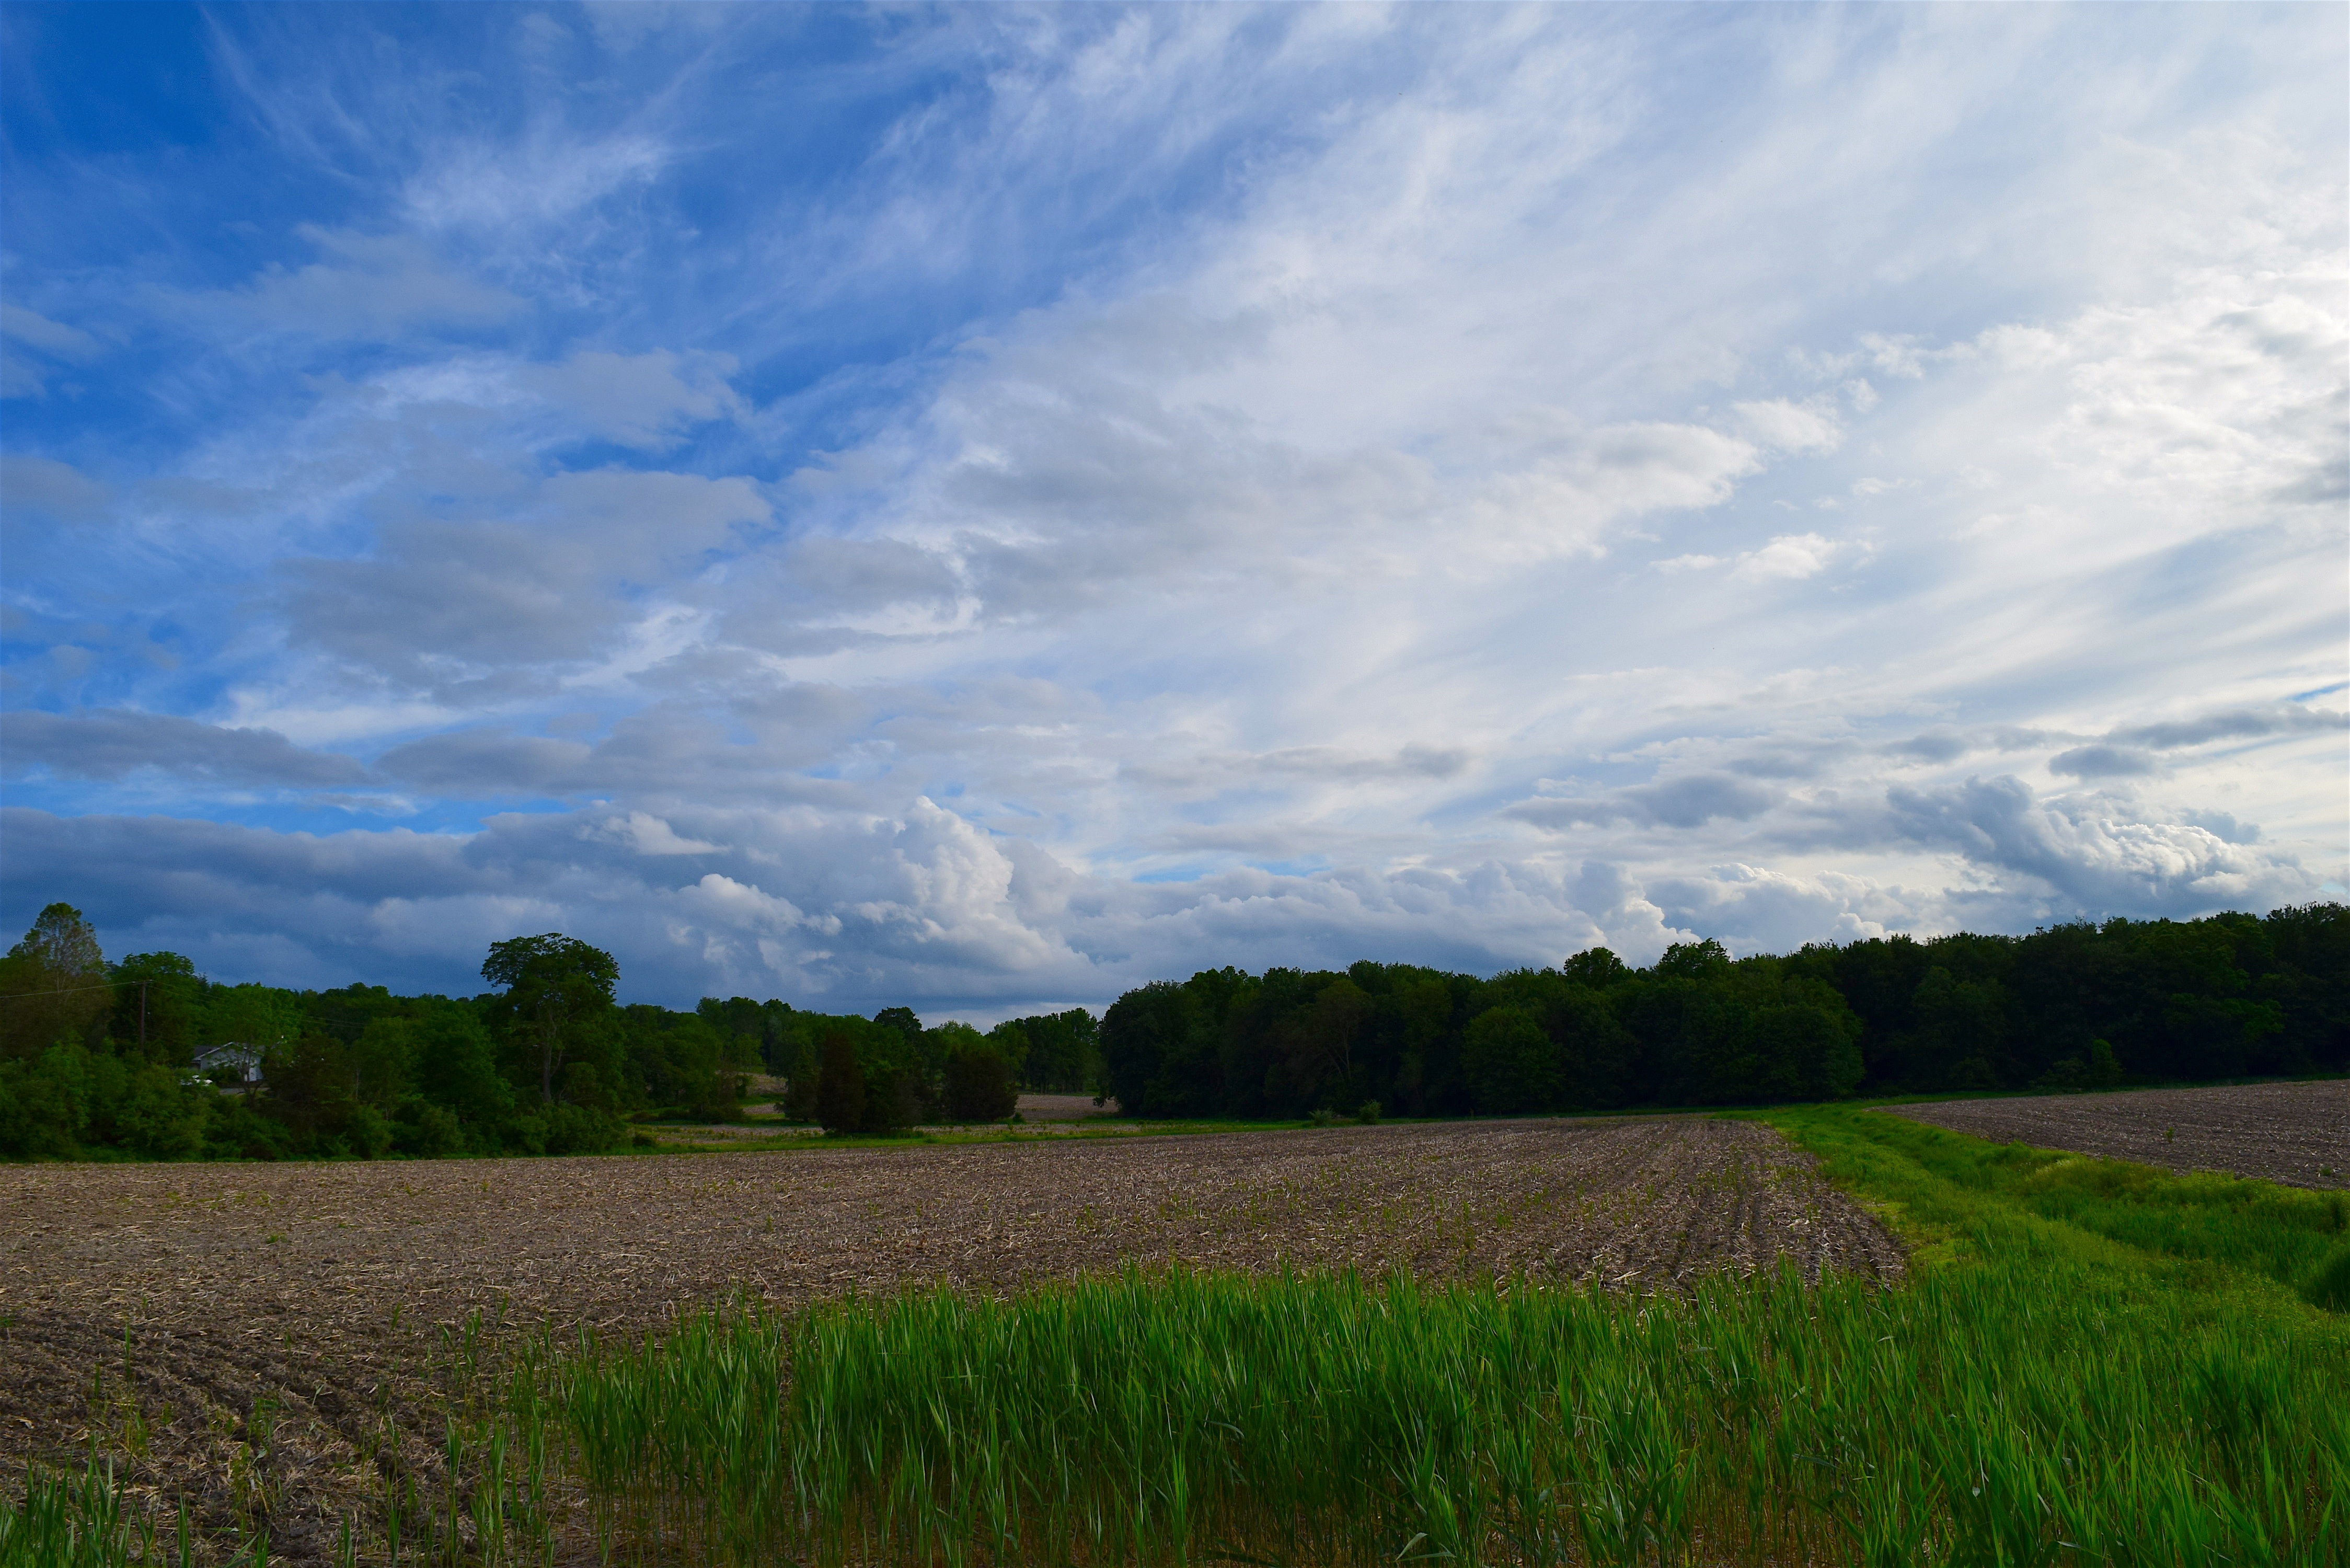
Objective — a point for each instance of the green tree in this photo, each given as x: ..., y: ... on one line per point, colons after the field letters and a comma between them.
x: 1158, y: 1051
x: 557, y: 989
x: 1510, y: 1062
x: 1595, y: 967
x: 1962, y: 1029
x: 53, y: 984
x: 311, y: 1086
x: 159, y: 1006
x: 840, y: 1085
x: 805, y: 1072
x: 1053, y: 1052
x: 979, y: 1082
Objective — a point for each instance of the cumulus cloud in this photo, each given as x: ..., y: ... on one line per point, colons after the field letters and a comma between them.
x: 2090, y: 852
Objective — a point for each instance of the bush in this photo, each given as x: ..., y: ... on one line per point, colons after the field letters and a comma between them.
x: 428, y: 1131
x: 576, y: 1129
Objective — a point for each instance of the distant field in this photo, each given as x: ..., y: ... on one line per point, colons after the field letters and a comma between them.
x: 2291, y: 1133
x: 267, y: 1337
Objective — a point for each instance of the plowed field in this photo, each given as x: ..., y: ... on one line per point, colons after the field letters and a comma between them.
x: 271, y: 1340
x: 2298, y: 1134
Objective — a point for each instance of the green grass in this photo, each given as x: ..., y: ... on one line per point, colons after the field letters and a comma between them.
x: 2041, y: 1411
x: 2174, y: 1227
x: 2089, y: 1363
x: 80, y: 1520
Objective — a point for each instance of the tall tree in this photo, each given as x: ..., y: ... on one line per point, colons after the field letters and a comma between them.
x: 158, y: 1003
x: 556, y: 986
x: 53, y: 984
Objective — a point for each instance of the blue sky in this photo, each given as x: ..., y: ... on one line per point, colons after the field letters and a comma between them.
x: 985, y: 506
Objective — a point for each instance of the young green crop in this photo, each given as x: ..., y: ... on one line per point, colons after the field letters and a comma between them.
x: 2036, y: 1411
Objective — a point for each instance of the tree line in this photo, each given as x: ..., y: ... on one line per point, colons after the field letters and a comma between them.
x: 2072, y: 1006
x: 99, y: 1059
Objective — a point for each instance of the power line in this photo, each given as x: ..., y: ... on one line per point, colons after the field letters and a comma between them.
x: 68, y: 991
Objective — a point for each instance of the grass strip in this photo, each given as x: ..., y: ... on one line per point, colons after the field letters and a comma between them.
x: 2198, y: 1232
x: 2032, y: 1408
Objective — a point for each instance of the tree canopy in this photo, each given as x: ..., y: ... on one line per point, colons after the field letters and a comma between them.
x: 2074, y: 1006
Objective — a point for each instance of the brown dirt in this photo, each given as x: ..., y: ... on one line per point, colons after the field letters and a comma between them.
x: 2293, y: 1132
x: 271, y: 1341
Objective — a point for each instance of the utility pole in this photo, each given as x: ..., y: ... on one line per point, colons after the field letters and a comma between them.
x: 142, y: 1018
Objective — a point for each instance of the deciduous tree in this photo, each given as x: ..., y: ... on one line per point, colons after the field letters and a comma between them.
x: 557, y: 987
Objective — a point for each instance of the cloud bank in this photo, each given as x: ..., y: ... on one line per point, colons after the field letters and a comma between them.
x: 985, y: 508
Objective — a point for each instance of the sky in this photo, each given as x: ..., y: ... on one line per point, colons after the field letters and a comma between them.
x: 983, y: 507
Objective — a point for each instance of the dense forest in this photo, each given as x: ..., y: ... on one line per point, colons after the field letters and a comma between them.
x: 123, y: 1059
x: 101, y: 1059
x: 2072, y: 1006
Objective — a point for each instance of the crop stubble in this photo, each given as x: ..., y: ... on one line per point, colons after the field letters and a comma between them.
x: 263, y: 1339
x: 2292, y: 1133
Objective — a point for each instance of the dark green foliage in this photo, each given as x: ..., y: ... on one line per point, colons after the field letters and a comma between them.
x: 1052, y: 1053
x: 2329, y: 1282
x: 2076, y: 1006
x: 979, y: 1087
x: 559, y: 997
x: 1511, y: 1063
x: 801, y: 1073
x: 684, y: 1062
x: 1160, y: 1054
x: 54, y: 986
x: 550, y: 1068
x: 840, y: 1086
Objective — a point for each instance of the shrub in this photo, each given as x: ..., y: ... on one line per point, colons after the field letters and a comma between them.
x: 428, y: 1131
x: 577, y: 1129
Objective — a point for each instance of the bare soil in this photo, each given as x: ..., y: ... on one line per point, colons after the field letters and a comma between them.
x: 272, y: 1342
x: 2298, y: 1134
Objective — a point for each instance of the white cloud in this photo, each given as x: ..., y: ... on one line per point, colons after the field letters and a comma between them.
x: 1182, y: 494
x: 1789, y: 557
x: 1783, y: 426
